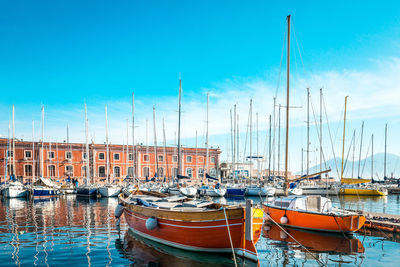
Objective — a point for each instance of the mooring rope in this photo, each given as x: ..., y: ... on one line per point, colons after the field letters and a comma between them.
x: 230, y: 239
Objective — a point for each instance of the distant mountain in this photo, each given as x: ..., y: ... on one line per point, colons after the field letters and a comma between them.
x: 392, y: 167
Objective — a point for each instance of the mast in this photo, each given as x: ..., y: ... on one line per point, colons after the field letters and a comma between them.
x: 384, y: 165
x: 234, y: 142
x: 279, y: 139
x: 269, y: 149
x: 42, y: 148
x: 359, y: 158
x: 308, y: 131
x: 155, y: 141
x: 33, y: 152
x: 7, y: 154
x: 165, y: 150
x: 13, y: 142
x: 251, y: 137
x: 87, y: 146
x: 320, y: 130
x: 127, y: 148
x: 107, y: 150
x: 354, y: 151
x: 133, y: 135
x: 207, y: 152
x: 196, y: 159
x: 179, y: 126
x: 147, y: 148
x: 287, y: 107
x: 372, y: 158
x: 344, y: 133
x: 258, y: 155
x: 273, y: 139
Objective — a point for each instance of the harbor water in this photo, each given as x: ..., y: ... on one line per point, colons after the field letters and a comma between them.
x: 70, y: 230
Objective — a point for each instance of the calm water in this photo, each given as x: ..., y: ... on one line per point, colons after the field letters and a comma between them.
x: 82, y: 232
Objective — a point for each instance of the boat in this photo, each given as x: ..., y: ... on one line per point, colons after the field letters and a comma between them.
x: 109, y: 190
x: 188, y: 191
x: 45, y: 187
x: 362, y: 190
x: 211, y: 191
x: 260, y: 191
x: 87, y: 191
x: 308, y: 212
x: 194, y: 225
x: 235, y: 191
x: 295, y: 191
x: 14, y: 190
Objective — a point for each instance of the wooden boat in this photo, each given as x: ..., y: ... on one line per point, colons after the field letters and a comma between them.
x: 308, y: 212
x: 312, y: 213
x: 194, y: 225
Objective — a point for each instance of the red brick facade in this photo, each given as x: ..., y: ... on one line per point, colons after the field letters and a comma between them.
x: 61, y: 160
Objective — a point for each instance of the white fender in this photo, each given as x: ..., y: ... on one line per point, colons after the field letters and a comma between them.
x: 119, y: 209
x: 284, y: 219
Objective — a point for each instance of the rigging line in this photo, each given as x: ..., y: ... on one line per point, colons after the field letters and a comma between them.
x: 298, y: 48
x: 348, y: 153
x: 245, y: 142
x: 330, y: 136
x: 265, y: 149
x: 280, y: 65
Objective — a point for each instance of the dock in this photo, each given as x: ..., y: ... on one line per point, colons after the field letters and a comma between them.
x: 382, y: 221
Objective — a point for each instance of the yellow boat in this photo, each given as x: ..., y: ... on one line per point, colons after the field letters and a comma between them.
x: 363, y: 191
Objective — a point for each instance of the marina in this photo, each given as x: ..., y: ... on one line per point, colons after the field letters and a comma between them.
x: 144, y: 134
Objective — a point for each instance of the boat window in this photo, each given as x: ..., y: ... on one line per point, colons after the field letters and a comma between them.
x: 282, y: 204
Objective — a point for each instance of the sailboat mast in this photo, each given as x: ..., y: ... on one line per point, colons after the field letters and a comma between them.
x: 13, y: 141
x: 287, y: 107
x: 308, y: 131
x: 42, y: 148
x: 133, y: 135
x: 344, y: 133
x: 8, y: 152
x: 234, y: 142
x: 87, y: 146
x: 155, y: 141
x: 384, y: 165
x: 359, y: 158
x: 251, y: 137
x: 207, y: 152
x: 127, y: 148
x: 258, y: 155
x: 165, y: 149
x: 273, y: 139
x: 372, y: 158
x: 179, y: 126
x: 269, y: 149
x: 196, y: 159
x: 279, y: 139
x: 33, y: 152
x: 320, y: 130
x: 107, y: 150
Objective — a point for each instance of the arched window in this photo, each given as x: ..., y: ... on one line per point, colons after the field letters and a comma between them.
x: 130, y: 171
x: 145, y: 172
x: 117, y: 171
x: 189, y: 172
x: 52, y: 170
x: 69, y: 170
x: 28, y: 170
x: 160, y: 172
x: 174, y: 172
x: 102, y: 171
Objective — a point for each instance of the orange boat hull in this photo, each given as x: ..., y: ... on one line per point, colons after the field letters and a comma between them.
x: 204, y: 236
x: 315, y: 221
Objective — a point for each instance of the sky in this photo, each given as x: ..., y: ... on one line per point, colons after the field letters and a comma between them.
x: 63, y: 54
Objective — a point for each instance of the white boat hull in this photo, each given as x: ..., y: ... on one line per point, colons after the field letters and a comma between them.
x: 260, y: 191
x: 13, y: 192
x: 109, y: 191
x: 188, y: 191
x: 212, y: 192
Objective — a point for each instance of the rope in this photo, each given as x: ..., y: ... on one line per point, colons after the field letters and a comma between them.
x: 318, y: 260
x: 230, y: 239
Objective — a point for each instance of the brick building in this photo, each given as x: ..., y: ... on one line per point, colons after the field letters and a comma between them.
x: 61, y: 160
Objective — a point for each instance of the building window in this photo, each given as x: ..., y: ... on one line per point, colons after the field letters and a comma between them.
x: 69, y: 170
x: 117, y: 171
x: 200, y: 159
x: 28, y: 170
x: 10, y: 169
x: 84, y: 155
x: 102, y: 171
x: 188, y: 159
x: 84, y: 172
x: 116, y: 156
x: 130, y: 156
x: 101, y: 155
x: 174, y: 158
x: 10, y: 153
x: 200, y: 171
x: 146, y: 171
x: 28, y: 154
x: 160, y: 158
x: 130, y: 171
x: 146, y: 157
x: 174, y: 172
x: 52, y: 170
x: 189, y: 172
x: 51, y: 154
x: 212, y: 159
x: 160, y: 172
x: 68, y: 155
x: 213, y: 172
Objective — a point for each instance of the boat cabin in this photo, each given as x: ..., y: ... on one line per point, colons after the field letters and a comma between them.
x: 306, y: 203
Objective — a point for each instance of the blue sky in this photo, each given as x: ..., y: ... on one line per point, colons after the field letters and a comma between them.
x: 64, y: 53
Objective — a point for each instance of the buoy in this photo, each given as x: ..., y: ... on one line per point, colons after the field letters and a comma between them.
x: 284, y: 219
x: 151, y: 223
x: 283, y: 235
x: 119, y: 209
